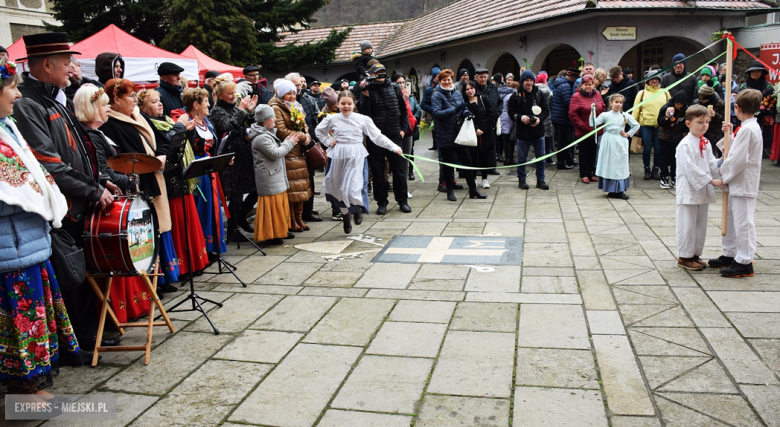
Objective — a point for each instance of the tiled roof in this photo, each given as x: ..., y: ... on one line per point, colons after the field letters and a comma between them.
x: 462, y: 19
x: 376, y: 33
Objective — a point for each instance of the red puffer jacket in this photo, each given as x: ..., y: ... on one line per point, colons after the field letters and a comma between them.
x: 579, y: 111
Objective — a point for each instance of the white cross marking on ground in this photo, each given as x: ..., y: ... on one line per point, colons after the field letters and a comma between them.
x: 440, y: 246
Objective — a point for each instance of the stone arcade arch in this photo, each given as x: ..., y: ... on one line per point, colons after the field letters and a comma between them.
x: 555, y: 58
x: 661, y: 50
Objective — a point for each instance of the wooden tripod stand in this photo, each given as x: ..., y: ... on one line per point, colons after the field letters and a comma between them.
x: 106, y: 309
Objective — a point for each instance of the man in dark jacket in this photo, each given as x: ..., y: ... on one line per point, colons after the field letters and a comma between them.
x: 208, y: 84
x: 622, y: 85
x: 679, y: 73
x: 76, y: 79
x: 529, y: 125
x: 45, y: 119
x: 383, y: 101
x: 314, y: 92
x: 252, y: 75
x: 490, y: 93
x: 170, y: 87
x: 109, y: 65
x: 563, y: 89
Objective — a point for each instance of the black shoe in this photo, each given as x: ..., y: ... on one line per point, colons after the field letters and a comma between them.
x: 656, y: 174
x: 542, y: 185
x: 494, y: 172
x: 411, y: 175
x: 347, y: 224
x: 442, y: 188
x: 475, y: 194
x: 404, y: 207
x: 648, y: 174
x: 550, y: 161
x: 621, y: 196
x: 576, y: 162
x: 721, y: 261
x: 289, y: 236
x: 105, y: 342
x: 499, y: 158
x: 165, y: 288
x: 523, y: 185
x: 563, y: 165
x: 358, y: 217
x: 274, y: 242
x: 451, y: 194
x: 246, y: 227
x: 737, y: 270
x: 81, y: 358
x: 432, y: 147
x: 380, y: 210
x: 456, y: 186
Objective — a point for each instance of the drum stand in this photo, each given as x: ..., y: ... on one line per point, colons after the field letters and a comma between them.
x: 107, y: 310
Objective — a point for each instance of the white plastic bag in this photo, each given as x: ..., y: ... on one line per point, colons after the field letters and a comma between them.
x: 498, y: 126
x: 467, y: 135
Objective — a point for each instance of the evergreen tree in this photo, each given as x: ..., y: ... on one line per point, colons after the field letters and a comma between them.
x: 238, y: 32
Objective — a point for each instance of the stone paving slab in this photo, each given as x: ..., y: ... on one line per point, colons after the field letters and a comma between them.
x: 476, y: 364
x: 598, y: 325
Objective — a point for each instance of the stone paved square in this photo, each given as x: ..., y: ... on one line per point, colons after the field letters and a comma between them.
x: 582, y: 317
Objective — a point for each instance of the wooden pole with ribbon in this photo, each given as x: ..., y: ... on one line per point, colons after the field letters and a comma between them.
x: 727, y: 135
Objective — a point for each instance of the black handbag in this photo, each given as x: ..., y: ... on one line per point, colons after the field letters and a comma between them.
x: 67, y: 260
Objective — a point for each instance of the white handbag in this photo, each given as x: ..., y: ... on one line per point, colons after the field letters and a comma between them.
x: 467, y: 135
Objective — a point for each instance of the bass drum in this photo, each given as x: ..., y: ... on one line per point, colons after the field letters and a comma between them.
x: 122, y: 239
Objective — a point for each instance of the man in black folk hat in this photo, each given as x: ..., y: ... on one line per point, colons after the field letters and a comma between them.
x: 170, y: 87
x: 45, y: 118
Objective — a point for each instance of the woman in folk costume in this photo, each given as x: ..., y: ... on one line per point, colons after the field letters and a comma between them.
x: 346, y: 181
x: 130, y: 297
x: 272, y: 219
x: 133, y: 133
x: 35, y: 331
x: 203, y: 140
x: 612, y: 165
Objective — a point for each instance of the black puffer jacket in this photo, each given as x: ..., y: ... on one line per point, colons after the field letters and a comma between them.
x: 386, y: 107
x: 673, y: 128
x: 492, y: 97
x: 104, y: 66
x: 230, y: 120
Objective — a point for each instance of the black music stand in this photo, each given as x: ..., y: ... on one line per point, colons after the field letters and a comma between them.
x: 197, y: 168
x: 237, y: 235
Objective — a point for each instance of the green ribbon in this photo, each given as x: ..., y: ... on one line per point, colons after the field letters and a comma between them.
x: 409, y: 157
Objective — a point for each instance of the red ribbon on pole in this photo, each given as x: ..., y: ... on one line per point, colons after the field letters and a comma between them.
x: 731, y: 37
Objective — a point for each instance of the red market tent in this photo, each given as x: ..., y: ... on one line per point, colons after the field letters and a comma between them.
x: 17, y: 50
x: 141, y: 58
x: 205, y: 63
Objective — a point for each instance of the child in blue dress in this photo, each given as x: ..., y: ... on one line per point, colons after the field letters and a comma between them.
x: 612, y: 164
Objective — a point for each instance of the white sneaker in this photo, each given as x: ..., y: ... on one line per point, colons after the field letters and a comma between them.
x: 485, y: 183
x: 665, y: 183
x: 409, y: 195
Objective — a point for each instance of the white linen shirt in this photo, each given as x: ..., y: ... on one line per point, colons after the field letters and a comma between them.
x: 694, y: 172
x: 741, y: 170
x: 348, y: 131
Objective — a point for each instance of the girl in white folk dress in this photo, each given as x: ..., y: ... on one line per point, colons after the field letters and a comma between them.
x: 612, y: 164
x: 346, y: 182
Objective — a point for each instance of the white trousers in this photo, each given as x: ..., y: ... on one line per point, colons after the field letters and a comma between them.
x: 740, y: 239
x: 691, y: 229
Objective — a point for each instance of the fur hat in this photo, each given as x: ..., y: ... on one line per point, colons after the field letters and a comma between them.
x: 283, y: 87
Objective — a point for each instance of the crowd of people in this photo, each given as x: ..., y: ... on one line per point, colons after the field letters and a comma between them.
x: 58, y: 128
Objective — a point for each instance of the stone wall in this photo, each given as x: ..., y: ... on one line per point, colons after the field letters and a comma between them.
x: 742, y: 63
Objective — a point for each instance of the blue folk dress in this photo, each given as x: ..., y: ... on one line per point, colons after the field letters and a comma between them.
x: 612, y: 164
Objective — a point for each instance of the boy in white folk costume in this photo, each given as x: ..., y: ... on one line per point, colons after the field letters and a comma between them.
x: 741, y: 171
x: 697, y: 173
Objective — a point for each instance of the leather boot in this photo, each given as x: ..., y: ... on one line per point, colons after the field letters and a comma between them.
x: 299, y: 216
x: 293, y: 220
x: 347, y: 223
x: 451, y: 193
